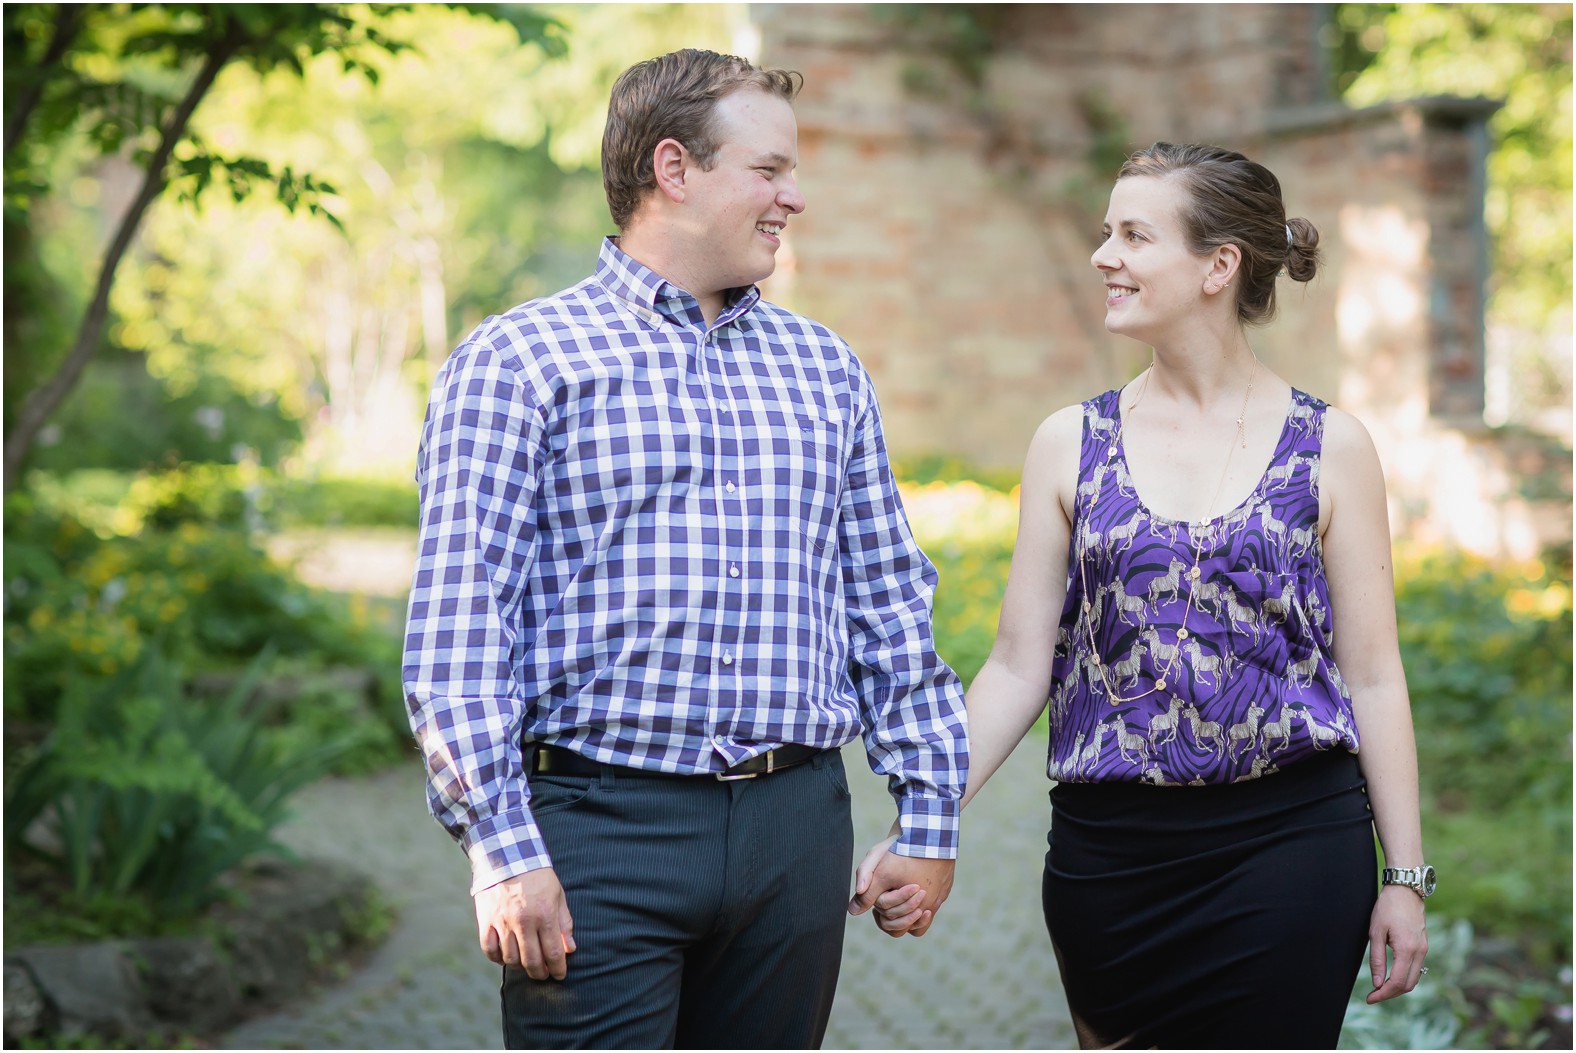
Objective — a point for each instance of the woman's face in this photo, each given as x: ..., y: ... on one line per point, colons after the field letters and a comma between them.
x: 1152, y: 279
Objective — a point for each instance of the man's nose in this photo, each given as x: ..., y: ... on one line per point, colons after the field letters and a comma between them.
x: 790, y: 197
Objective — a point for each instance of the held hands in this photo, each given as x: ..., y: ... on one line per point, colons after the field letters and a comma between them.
x: 906, y: 892
x: 524, y: 921
x: 1397, y: 923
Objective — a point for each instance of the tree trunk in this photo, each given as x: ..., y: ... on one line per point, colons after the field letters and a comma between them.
x: 44, y: 400
x: 68, y: 20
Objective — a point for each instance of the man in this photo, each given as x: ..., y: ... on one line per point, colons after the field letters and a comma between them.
x: 663, y: 576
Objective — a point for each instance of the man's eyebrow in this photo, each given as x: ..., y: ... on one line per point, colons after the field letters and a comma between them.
x: 780, y: 160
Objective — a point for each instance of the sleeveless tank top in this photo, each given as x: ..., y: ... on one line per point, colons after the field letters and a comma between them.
x: 1170, y: 675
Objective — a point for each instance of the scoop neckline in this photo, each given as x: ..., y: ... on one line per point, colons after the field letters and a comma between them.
x: 1233, y: 512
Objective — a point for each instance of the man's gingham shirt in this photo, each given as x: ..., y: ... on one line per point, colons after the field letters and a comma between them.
x: 669, y: 546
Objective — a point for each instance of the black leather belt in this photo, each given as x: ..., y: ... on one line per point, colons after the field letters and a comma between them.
x: 555, y: 760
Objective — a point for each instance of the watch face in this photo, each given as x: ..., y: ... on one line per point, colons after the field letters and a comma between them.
x: 1428, y: 881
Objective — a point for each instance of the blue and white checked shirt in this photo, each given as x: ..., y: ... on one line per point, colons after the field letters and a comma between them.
x: 664, y: 545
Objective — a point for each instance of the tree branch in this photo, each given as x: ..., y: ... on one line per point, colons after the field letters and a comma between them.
x: 44, y: 400
x: 68, y: 21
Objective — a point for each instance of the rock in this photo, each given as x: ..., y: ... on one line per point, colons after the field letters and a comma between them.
x: 295, y: 920
x: 286, y: 923
x: 188, y: 985
x: 91, y: 988
x: 26, y: 1012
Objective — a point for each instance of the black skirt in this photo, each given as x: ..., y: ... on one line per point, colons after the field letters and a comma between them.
x: 1212, y: 917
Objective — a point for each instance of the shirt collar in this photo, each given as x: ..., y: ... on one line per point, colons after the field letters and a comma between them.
x: 647, y: 291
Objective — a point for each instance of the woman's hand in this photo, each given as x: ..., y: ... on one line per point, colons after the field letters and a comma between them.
x: 1397, y: 923
x: 897, y: 911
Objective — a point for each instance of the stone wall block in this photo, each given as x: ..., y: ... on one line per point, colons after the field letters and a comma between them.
x: 188, y: 984
x: 284, y: 925
x: 27, y: 1013
x: 89, y: 989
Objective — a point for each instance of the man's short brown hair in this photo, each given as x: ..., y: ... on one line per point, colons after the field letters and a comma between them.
x: 672, y: 97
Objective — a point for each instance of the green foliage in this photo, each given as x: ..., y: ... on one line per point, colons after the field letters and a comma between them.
x: 967, y: 606
x: 125, y: 81
x: 184, y: 580
x: 947, y: 468
x: 1488, y: 658
x: 1466, y: 1001
x: 120, y: 417
x: 113, y: 75
x: 1520, y: 53
x: 331, y: 501
x: 1431, y: 1016
x: 136, y: 791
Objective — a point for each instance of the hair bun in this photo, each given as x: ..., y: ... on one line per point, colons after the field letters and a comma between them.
x: 1302, y: 250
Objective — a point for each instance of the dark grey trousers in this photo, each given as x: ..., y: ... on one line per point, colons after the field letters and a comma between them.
x: 707, y: 914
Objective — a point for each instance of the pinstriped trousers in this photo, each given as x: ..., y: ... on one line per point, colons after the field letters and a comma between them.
x: 707, y: 914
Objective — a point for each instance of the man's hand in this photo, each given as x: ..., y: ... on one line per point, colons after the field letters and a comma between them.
x: 906, y: 891
x: 524, y: 920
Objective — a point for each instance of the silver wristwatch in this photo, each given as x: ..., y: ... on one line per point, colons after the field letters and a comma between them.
x: 1418, y: 879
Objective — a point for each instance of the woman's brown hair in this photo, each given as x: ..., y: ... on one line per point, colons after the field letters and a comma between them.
x: 1235, y: 201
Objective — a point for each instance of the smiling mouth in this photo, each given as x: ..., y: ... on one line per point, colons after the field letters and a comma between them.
x: 1115, y: 294
x: 771, y: 230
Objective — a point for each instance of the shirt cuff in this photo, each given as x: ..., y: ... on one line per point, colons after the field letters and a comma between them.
x: 930, y: 827
x: 503, y: 847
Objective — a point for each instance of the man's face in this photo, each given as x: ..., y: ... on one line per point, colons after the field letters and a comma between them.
x: 742, y: 203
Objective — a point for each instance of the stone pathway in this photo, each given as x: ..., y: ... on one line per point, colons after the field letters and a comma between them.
x: 983, y: 978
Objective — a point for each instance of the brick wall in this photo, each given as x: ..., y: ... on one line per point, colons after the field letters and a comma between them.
x: 951, y: 218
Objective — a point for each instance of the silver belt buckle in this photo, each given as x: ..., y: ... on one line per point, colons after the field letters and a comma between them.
x: 771, y: 765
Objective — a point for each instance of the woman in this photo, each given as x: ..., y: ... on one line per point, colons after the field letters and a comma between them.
x: 1202, y: 587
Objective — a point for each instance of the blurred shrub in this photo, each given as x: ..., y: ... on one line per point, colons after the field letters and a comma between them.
x: 137, y: 793
x: 1470, y: 999
x: 967, y: 530
x: 236, y: 495
x: 1487, y: 651
x: 122, y: 418
x: 946, y: 468
x: 192, y: 587
x: 329, y: 501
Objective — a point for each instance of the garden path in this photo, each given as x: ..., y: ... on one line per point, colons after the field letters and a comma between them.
x: 983, y: 978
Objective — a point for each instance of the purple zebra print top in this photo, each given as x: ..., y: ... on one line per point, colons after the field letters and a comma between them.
x: 1252, y: 685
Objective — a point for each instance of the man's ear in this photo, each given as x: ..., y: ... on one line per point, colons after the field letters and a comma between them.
x: 669, y: 163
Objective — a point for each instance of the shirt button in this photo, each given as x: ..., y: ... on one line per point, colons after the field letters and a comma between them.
x: 730, y: 487
x: 1181, y: 634
x: 727, y: 658
x: 1193, y: 573
x: 733, y: 572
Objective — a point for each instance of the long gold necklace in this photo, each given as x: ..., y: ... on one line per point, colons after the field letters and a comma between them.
x: 1193, y: 572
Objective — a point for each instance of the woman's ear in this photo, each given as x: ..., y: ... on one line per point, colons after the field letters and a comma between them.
x: 1224, y: 262
x: 669, y: 162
